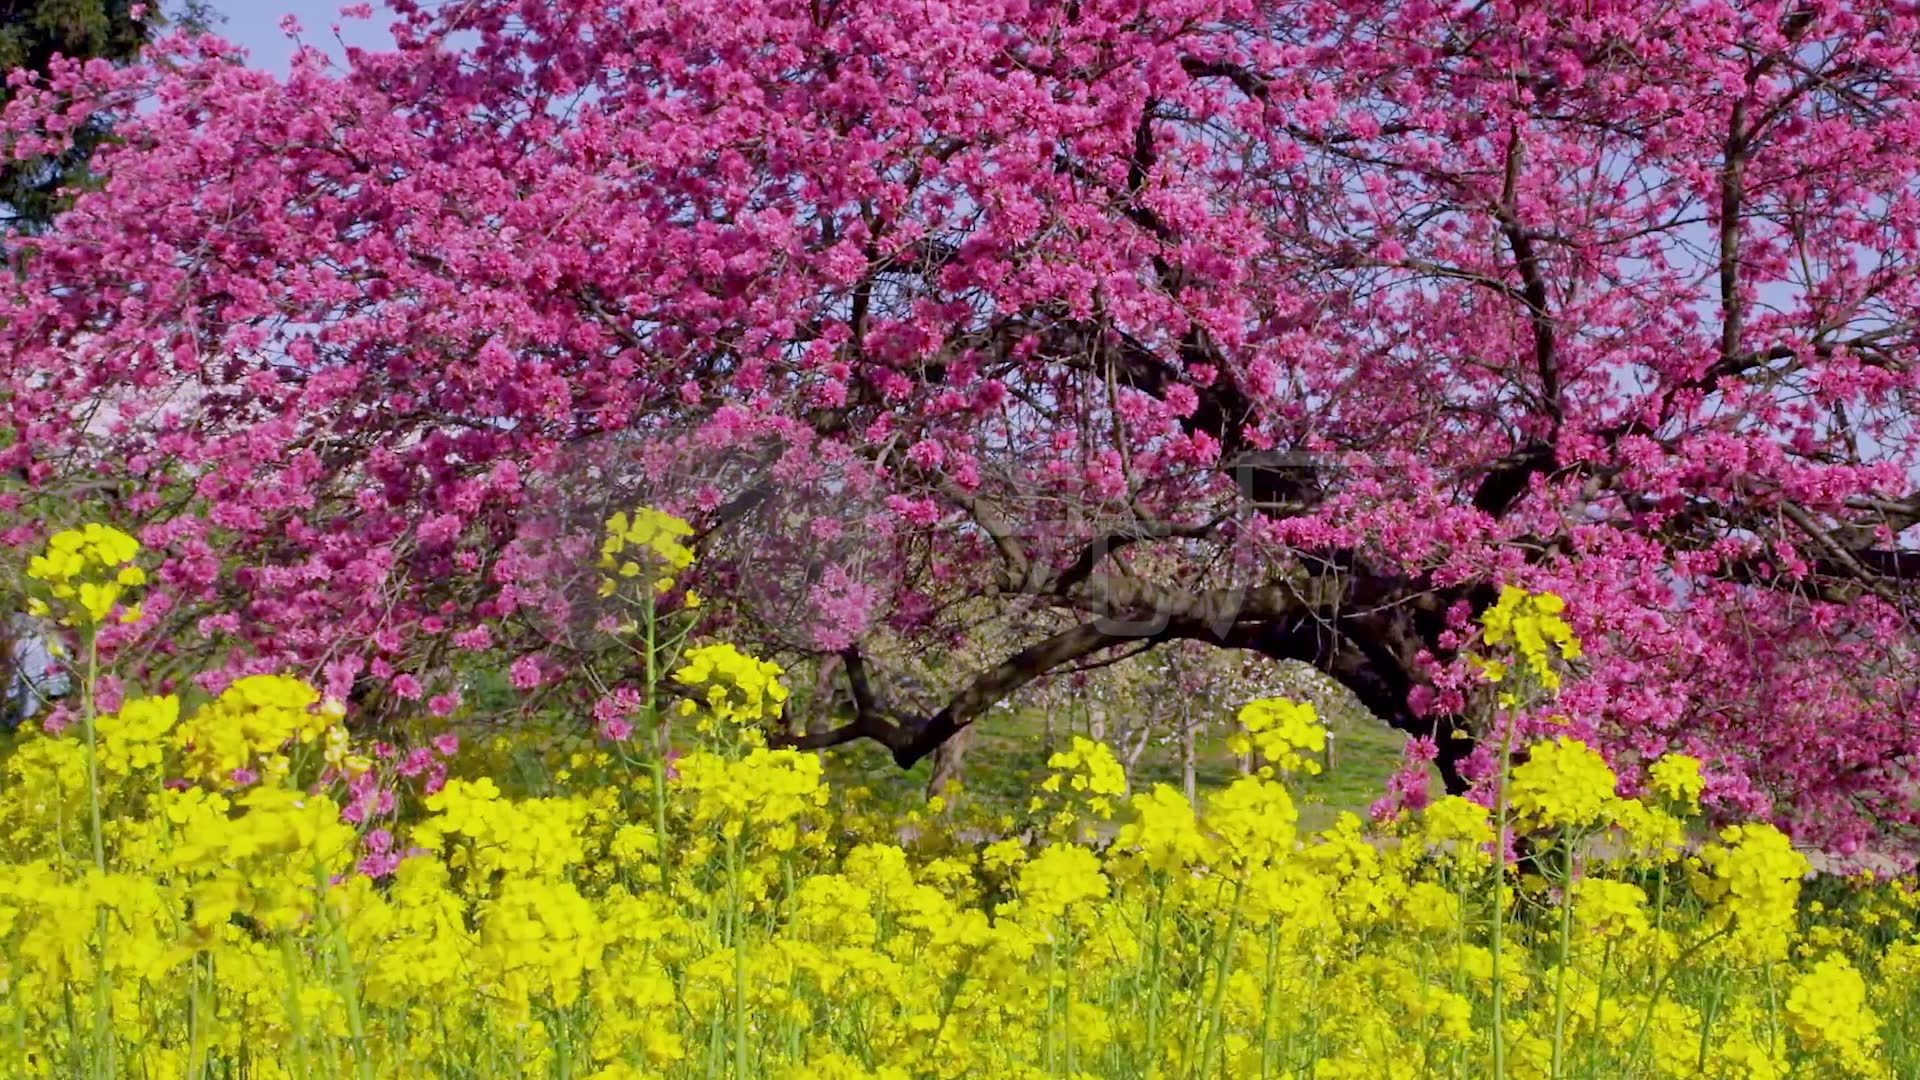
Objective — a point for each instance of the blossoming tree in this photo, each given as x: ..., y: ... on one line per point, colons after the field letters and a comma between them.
x: 1288, y: 325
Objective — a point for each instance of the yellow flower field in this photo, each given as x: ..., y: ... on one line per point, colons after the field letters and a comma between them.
x: 730, y: 915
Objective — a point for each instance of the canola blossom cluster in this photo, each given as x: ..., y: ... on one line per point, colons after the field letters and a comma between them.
x: 183, y: 893
x: 85, y: 572
x: 725, y: 685
x: 645, y: 544
x: 1532, y: 624
x: 1282, y: 733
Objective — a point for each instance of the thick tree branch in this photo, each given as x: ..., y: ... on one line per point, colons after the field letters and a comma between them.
x: 1533, y: 284
x: 1098, y: 549
x: 994, y: 684
x: 869, y: 720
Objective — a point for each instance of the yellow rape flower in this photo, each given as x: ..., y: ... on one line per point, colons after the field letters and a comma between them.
x: 243, y: 728
x: 1254, y: 820
x: 1532, y: 624
x: 1752, y: 879
x: 734, y: 688
x: 645, y: 544
x: 85, y: 572
x: 1164, y: 831
x: 1828, y: 1014
x: 1458, y: 827
x: 1062, y: 878
x: 1087, y: 767
x: 1283, y: 733
x: 1563, y: 784
x: 767, y: 790
x: 1609, y: 910
x: 1676, y: 779
x: 133, y: 738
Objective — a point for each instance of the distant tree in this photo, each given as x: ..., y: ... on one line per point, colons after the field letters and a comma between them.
x: 32, y: 33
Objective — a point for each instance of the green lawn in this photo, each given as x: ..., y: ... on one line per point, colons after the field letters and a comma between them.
x: 1009, y: 754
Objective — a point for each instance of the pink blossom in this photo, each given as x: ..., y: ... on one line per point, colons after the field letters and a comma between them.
x: 380, y: 858
x: 524, y: 673
x: 843, y: 607
x: 1046, y: 359
x: 378, y: 865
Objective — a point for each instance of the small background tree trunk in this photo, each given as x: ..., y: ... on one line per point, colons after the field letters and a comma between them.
x: 825, y: 697
x: 1189, y: 772
x: 946, y: 761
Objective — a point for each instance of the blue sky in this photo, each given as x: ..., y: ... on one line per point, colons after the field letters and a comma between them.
x: 255, y: 25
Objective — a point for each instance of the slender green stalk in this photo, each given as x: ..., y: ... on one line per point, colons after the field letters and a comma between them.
x: 1053, y: 1012
x: 1595, y: 1044
x: 1565, y: 953
x: 1155, y: 959
x: 296, y: 1022
x: 1498, y: 937
x: 1659, y: 918
x: 663, y: 743
x: 196, y: 1048
x: 1638, y: 1043
x: 1066, y: 993
x: 735, y: 921
x: 1269, y: 1002
x: 88, y: 709
x: 74, y: 1042
x: 19, y: 1001
x: 1214, y: 1011
x: 1773, y: 1012
x: 563, y: 1046
x: 102, y: 1049
x: 1459, y: 982
x: 1707, y: 1018
x: 660, y: 824
x: 661, y: 733
x: 349, y: 989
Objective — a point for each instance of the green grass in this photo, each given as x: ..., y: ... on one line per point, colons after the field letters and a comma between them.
x: 1366, y: 753
x: 1008, y: 755
x: 1008, y: 758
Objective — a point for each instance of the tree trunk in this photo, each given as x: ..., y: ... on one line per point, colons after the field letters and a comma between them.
x: 946, y: 761
x: 825, y: 699
x: 1189, y: 772
x: 1132, y: 752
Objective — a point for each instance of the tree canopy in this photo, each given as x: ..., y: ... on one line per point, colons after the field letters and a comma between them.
x: 32, y: 33
x: 1298, y: 326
